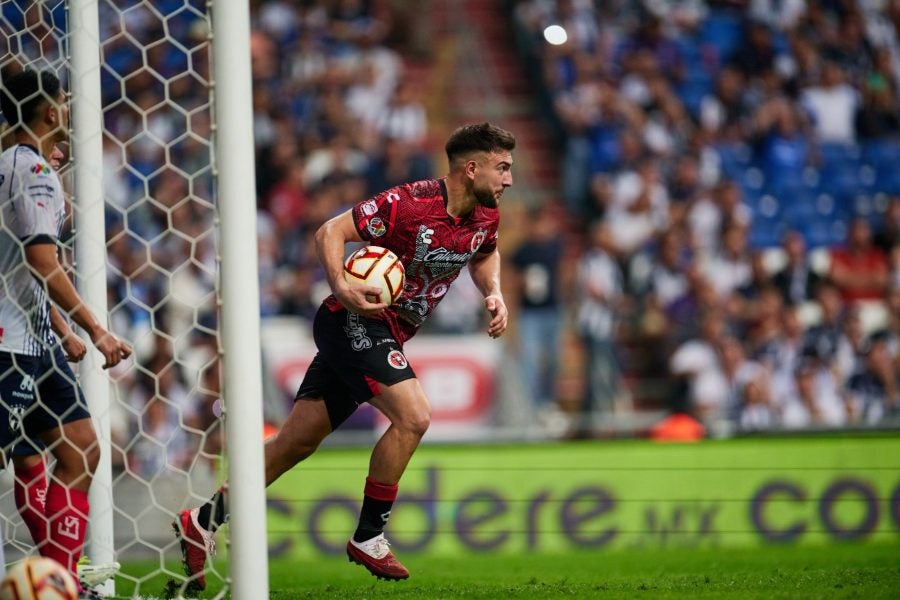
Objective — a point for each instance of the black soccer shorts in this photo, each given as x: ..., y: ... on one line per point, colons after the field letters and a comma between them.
x: 356, y: 354
x: 37, y: 394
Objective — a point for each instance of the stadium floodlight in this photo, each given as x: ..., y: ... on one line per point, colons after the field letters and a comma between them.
x: 556, y: 35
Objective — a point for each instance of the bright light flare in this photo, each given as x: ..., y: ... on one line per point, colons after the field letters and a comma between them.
x: 556, y: 35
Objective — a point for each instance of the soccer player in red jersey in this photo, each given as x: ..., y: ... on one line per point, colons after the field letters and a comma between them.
x: 436, y: 227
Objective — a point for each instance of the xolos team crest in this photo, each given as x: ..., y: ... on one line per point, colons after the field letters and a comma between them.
x: 397, y: 360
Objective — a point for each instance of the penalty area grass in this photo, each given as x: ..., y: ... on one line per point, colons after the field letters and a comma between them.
x: 782, y: 572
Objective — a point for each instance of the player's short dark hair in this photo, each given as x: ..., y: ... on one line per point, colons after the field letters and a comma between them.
x: 481, y: 137
x: 24, y: 92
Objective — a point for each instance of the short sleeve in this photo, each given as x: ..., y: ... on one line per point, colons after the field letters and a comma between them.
x: 34, y: 202
x: 492, y: 231
x: 376, y: 217
x: 490, y: 242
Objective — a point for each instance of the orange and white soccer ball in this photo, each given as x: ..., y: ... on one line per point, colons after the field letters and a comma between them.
x: 374, y: 265
x: 38, y: 578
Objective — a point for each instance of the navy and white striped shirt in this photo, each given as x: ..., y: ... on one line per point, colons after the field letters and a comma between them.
x: 32, y: 210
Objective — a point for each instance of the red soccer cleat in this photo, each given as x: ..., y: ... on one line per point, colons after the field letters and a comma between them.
x: 376, y: 556
x: 196, y: 545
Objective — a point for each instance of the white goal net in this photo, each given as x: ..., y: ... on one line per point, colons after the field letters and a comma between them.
x: 161, y: 275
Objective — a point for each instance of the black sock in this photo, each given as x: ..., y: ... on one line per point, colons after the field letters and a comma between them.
x: 213, y: 514
x: 376, y: 509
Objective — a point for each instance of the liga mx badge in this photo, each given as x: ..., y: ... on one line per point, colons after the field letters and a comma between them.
x: 369, y: 208
x: 397, y: 360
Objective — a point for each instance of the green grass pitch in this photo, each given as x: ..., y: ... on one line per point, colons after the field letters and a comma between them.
x: 864, y: 571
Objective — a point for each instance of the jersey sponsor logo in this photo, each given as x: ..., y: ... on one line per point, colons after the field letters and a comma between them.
x: 369, y: 208
x: 41, y: 191
x: 478, y: 240
x: 376, y: 227
x: 442, y: 258
x: 425, y: 234
x: 429, y: 266
x: 356, y: 332
x: 396, y: 359
x: 40, y: 169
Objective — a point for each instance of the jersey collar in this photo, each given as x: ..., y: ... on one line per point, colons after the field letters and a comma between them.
x: 453, y: 220
x: 30, y: 147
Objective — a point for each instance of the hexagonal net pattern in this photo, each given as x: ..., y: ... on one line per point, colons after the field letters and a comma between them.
x: 162, y: 291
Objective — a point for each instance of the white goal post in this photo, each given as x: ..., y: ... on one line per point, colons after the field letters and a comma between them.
x: 236, y: 183
x: 219, y: 186
x: 90, y: 254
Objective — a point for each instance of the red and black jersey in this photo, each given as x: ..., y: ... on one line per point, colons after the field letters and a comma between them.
x: 412, y: 221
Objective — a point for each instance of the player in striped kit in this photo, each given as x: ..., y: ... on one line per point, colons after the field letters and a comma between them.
x: 41, y: 403
x: 436, y: 227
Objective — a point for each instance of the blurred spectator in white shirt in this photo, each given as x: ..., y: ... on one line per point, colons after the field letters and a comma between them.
x: 778, y: 14
x: 668, y: 281
x: 815, y: 400
x: 832, y: 106
x: 697, y: 356
x: 730, y: 269
x: 639, y: 208
x: 874, y: 391
x: 599, y: 283
x: 404, y: 116
x: 710, y: 214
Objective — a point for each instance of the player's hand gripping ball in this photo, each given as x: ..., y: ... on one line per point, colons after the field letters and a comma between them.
x: 38, y: 578
x: 377, y: 266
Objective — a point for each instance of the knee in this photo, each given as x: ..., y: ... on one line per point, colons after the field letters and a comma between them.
x: 91, y: 459
x: 78, y: 464
x: 304, y: 451
x: 417, y: 423
x: 292, y: 451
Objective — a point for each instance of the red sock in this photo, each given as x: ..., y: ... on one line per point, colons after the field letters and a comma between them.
x: 378, y: 499
x: 67, y: 514
x: 30, y: 491
x: 380, y: 491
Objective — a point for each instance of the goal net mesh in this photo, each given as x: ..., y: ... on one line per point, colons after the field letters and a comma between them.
x: 160, y: 222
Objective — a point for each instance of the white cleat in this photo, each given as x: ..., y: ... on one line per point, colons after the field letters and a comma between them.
x: 90, y: 574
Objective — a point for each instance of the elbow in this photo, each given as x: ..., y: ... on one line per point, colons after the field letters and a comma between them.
x: 322, y: 233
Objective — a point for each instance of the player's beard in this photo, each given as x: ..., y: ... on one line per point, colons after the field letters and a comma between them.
x: 486, y: 198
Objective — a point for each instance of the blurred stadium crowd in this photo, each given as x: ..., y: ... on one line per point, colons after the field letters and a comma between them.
x: 336, y: 118
x: 737, y: 164
x: 727, y: 230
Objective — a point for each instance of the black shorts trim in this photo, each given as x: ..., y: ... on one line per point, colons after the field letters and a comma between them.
x: 356, y: 356
x: 37, y: 394
x: 39, y: 238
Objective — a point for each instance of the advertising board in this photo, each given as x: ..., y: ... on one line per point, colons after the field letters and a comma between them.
x: 545, y: 498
